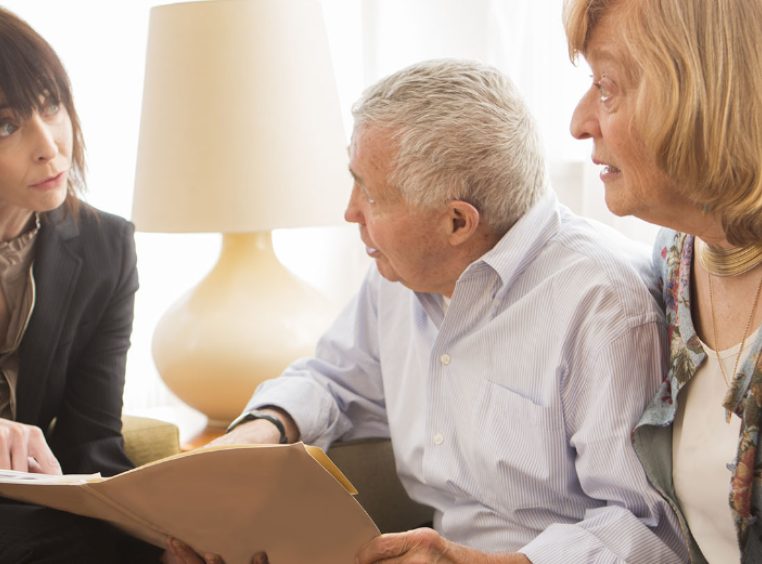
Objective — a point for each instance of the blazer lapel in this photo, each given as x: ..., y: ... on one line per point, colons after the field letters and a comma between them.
x: 56, y: 270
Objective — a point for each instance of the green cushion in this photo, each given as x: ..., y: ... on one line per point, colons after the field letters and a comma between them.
x: 147, y: 439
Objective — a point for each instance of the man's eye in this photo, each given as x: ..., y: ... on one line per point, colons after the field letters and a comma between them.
x: 367, y: 196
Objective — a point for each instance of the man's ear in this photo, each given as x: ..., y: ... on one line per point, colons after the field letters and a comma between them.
x: 464, y: 220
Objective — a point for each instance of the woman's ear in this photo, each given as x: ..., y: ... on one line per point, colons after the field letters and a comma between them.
x: 463, y: 219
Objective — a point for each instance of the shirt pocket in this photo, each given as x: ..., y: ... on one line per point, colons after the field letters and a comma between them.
x: 513, y: 451
x: 506, y: 406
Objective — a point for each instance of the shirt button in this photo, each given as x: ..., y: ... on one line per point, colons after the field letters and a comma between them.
x: 438, y: 439
x: 445, y: 359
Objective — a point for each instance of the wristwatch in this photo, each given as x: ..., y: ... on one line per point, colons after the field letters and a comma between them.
x: 254, y: 415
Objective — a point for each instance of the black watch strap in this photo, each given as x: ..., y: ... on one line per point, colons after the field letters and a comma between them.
x: 254, y: 415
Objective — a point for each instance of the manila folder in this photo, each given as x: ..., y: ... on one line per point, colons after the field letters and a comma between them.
x: 288, y: 500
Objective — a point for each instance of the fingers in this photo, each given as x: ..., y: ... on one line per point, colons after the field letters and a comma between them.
x: 383, y: 548
x: 419, y: 545
x: 24, y: 448
x: 18, y: 446
x: 13, y: 438
x: 180, y: 553
x: 34, y: 466
x: 38, y: 449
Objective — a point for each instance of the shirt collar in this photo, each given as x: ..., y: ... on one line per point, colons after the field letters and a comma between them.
x: 522, y: 243
x: 14, y: 251
x: 510, y: 256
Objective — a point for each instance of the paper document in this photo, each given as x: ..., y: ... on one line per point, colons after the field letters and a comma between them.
x: 288, y: 500
x: 13, y: 477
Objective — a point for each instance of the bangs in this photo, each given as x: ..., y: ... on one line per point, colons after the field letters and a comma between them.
x: 30, y: 73
x: 580, y: 18
x: 29, y: 69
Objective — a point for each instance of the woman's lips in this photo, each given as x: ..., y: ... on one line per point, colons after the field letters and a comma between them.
x: 50, y: 182
x: 609, y: 172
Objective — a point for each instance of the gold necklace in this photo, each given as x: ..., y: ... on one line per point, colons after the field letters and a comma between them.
x: 743, y: 340
x: 729, y: 262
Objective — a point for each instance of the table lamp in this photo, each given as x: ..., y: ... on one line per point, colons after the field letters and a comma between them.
x: 240, y: 134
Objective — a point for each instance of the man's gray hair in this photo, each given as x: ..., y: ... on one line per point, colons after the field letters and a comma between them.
x: 463, y: 132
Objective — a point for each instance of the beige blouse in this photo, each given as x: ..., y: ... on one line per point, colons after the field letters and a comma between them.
x: 703, y: 447
x: 17, y: 296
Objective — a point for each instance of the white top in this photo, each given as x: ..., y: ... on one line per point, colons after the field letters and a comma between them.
x: 703, y: 445
x: 511, y: 413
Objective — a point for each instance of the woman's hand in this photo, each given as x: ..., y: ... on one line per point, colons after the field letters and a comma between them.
x: 24, y: 448
x: 421, y: 546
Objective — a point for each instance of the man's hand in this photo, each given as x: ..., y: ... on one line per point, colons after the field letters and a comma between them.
x: 24, y: 448
x: 260, y: 431
x: 257, y: 432
x: 426, y: 546
x: 180, y: 553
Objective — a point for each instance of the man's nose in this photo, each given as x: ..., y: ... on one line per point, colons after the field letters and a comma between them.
x: 353, y: 214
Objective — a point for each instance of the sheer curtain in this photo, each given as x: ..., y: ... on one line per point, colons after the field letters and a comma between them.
x: 523, y: 38
x: 102, y: 44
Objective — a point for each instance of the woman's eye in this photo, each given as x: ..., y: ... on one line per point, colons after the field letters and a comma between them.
x: 7, y: 128
x: 604, y: 87
x: 50, y: 107
x: 605, y: 94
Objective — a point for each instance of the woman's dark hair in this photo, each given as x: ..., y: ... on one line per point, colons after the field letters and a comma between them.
x: 29, y: 71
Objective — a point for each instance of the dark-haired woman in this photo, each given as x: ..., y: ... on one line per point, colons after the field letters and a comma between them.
x: 67, y: 284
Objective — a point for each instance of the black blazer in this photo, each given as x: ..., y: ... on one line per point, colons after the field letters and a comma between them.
x: 73, y: 354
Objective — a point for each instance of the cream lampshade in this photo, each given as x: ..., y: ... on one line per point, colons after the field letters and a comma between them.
x: 240, y: 134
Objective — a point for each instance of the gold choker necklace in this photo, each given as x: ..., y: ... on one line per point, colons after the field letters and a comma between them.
x: 729, y: 262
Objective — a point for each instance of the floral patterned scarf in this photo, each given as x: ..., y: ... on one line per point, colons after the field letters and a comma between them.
x: 744, y: 396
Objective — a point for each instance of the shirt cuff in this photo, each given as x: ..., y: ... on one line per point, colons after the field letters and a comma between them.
x: 567, y: 544
x: 308, y: 404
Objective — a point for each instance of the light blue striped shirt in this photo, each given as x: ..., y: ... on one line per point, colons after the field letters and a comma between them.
x: 510, y: 413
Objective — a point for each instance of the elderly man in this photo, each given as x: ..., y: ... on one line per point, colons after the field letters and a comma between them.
x: 500, y: 341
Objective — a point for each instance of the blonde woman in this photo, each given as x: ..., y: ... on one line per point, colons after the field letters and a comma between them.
x: 675, y: 115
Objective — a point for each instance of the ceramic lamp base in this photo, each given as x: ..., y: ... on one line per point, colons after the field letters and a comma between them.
x: 243, y: 323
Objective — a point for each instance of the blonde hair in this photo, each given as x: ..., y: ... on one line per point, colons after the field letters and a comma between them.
x: 699, y: 106
x: 462, y: 132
